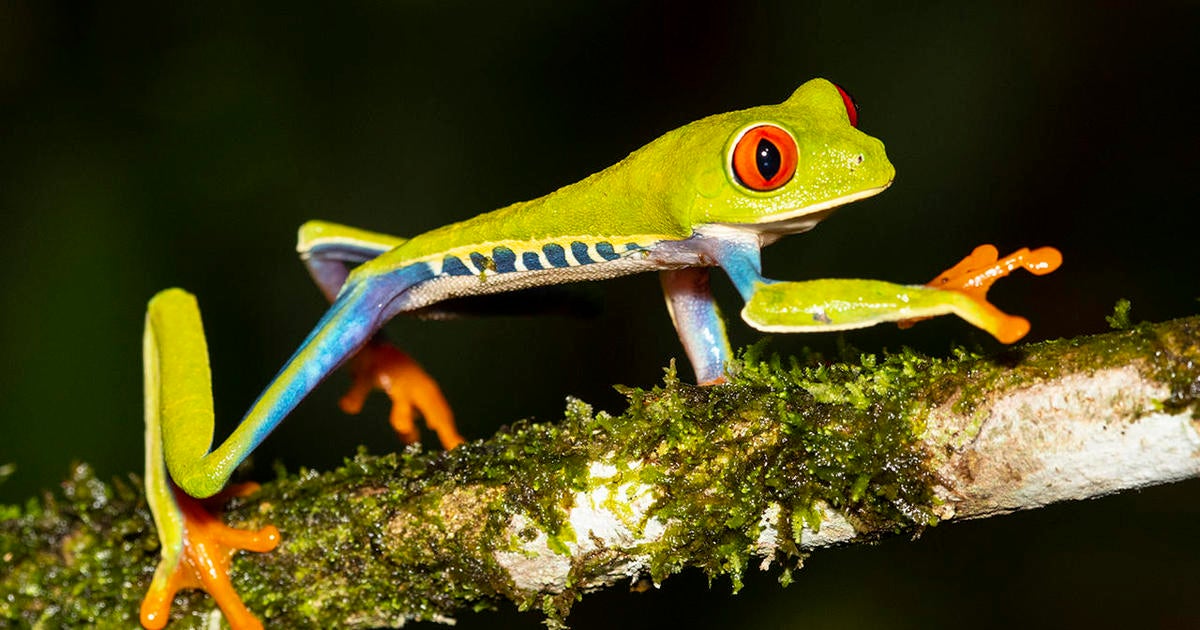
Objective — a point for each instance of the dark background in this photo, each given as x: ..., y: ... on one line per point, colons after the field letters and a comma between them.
x: 143, y: 147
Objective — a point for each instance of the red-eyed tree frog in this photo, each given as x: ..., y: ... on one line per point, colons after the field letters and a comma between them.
x: 709, y: 194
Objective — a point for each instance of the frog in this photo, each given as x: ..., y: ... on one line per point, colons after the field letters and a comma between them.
x: 708, y: 195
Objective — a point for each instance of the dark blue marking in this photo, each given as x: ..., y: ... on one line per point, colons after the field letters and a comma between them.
x: 632, y: 247
x: 452, y: 266
x: 606, y: 251
x: 531, y: 260
x: 505, y: 259
x: 345, y: 252
x: 397, y: 283
x: 480, y: 261
x: 581, y: 253
x: 555, y: 254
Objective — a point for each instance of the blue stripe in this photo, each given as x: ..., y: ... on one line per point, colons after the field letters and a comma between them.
x: 606, y: 251
x: 632, y: 247
x: 581, y: 253
x: 349, y: 252
x: 480, y: 261
x: 531, y: 260
x: 505, y: 259
x: 555, y: 254
x: 452, y: 266
x: 743, y: 264
x: 345, y: 327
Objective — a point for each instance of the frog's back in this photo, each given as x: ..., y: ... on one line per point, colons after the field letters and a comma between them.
x: 609, y: 209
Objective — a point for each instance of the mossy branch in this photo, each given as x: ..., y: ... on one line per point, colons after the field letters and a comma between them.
x: 786, y: 458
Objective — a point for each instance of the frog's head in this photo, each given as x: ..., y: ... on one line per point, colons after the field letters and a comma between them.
x: 783, y: 168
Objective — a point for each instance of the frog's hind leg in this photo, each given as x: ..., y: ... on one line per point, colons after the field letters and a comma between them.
x: 196, y: 546
x: 199, y: 557
x: 330, y: 251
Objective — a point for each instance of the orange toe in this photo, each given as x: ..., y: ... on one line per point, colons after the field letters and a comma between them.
x: 208, y: 548
x: 156, y: 605
x: 427, y: 397
x: 354, y: 399
x: 976, y: 273
x: 410, y: 388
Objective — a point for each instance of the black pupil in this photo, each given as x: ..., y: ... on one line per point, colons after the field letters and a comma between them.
x: 768, y: 159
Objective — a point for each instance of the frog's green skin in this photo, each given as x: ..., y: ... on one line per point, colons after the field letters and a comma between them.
x: 675, y: 206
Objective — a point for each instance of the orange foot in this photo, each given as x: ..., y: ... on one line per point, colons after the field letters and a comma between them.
x: 975, y: 274
x: 203, y: 562
x: 381, y: 366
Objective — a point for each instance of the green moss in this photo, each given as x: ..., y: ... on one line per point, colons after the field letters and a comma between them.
x: 414, y: 535
x: 808, y: 435
x: 1177, y: 364
x: 728, y: 454
x: 1120, y: 320
x: 77, y: 557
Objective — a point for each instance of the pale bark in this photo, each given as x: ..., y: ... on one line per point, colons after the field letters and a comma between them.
x: 541, y: 514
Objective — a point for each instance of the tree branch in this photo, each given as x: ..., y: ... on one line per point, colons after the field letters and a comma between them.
x: 785, y: 459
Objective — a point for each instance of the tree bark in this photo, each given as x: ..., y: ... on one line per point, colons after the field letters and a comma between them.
x: 787, y: 458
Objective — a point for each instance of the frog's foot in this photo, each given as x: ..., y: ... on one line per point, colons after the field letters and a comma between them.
x: 200, y: 558
x: 381, y: 366
x: 975, y: 274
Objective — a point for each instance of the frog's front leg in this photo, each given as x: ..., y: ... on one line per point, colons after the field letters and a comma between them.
x: 842, y: 304
x: 698, y: 322
x: 845, y: 304
x: 330, y: 251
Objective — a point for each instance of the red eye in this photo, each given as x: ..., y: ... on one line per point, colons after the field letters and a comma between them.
x: 764, y: 158
x: 851, y: 106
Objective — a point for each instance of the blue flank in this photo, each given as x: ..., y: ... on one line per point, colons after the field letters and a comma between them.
x: 580, y: 250
x: 452, y: 266
x: 504, y: 259
x: 480, y: 261
x: 531, y: 260
x: 606, y: 251
x: 556, y: 255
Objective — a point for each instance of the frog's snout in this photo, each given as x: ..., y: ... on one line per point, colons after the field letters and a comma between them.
x: 873, y: 161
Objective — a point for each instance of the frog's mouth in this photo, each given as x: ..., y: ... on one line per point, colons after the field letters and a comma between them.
x: 805, y: 218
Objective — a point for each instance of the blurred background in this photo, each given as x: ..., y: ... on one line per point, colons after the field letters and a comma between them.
x: 144, y: 146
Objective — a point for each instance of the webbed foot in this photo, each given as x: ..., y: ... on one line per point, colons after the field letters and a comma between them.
x: 381, y: 366
x: 199, y: 558
x: 975, y: 274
